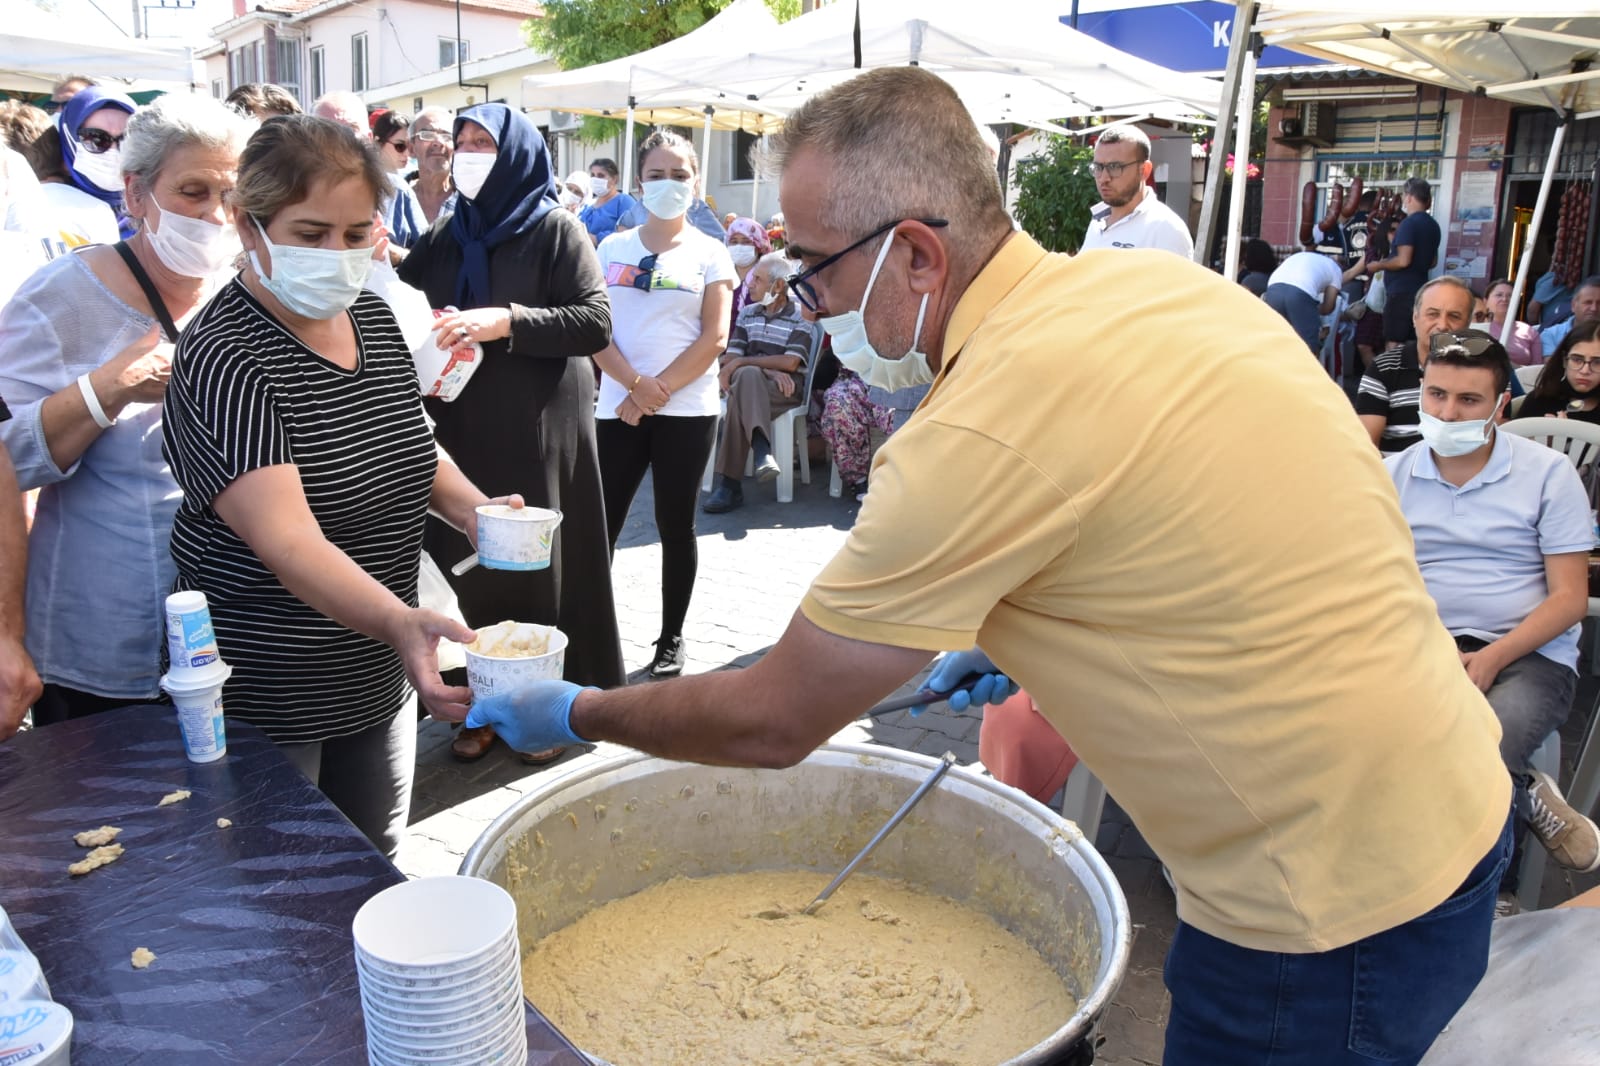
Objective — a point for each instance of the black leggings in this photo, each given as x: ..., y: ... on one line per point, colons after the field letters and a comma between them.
x: 675, y: 450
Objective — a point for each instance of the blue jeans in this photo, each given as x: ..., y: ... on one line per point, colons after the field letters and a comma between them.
x: 1531, y: 697
x: 1380, y: 1000
x: 1301, y: 312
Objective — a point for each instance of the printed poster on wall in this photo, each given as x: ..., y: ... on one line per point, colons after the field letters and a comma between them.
x: 1475, y: 196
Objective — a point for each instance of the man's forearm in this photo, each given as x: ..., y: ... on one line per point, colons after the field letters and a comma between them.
x: 1558, y: 613
x: 13, y: 551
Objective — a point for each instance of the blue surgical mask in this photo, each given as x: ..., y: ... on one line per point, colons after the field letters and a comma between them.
x: 313, y: 282
x: 667, y: 199
x: 855, y: 352
x: 1451, y: 439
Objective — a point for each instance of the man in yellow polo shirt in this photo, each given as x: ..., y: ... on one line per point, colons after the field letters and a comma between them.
x: 1129, y: 487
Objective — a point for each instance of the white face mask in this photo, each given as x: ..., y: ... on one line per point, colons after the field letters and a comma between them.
x: 743, y: 254
x: 599, y: 186
x: 570, y: 199
x: 103, y: 171
x: 855, y: 352
x: 190, y: 247
x: 1451, y: 439
x: 313, y: 282
x: 769, y: 299
x: 469, y: 170
x: 667, y: 199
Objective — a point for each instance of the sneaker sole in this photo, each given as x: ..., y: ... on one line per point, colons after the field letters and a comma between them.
x: 767, y: 475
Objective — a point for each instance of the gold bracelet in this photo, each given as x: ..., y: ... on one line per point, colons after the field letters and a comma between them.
x: 636, y: 379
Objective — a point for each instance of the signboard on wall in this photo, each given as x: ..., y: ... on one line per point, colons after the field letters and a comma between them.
x: 1191, y: 37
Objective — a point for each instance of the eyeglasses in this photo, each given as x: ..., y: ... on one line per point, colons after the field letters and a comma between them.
x: 800, y: 283
x: 1470, y: 344
x: 400, y: 146
x: 98, y: 141
x: 1578, y: 362
x: 646, y: 274
x: 1114, y: 169
x: 436, y: 136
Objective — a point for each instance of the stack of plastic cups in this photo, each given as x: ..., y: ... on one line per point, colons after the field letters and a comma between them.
x: 195, y: 676
x: 441, y: 975
x: 33, y: 1030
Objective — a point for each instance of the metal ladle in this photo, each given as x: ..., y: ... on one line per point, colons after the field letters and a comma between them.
x: 946, y: 761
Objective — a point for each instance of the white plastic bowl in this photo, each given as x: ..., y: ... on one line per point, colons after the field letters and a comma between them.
x: 511, y: 538
x: 489, y: 675
x: 429, y: 924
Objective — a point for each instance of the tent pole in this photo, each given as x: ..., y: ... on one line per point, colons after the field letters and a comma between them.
x: 627, y: 153
x: 1244, y: 15
x: 1241, y: 159
x: 705, y: 155
x: 755, y: 184
x: 1533, y: 230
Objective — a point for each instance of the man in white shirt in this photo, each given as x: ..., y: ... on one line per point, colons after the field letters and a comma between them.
x: 1130, y: 215
x: 1304, y: 288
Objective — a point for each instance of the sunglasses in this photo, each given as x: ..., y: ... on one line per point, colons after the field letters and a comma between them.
x: 1471, y: 344
x: 400, y: 146
x: 646, y: 274
x: 98, y: 141
x: 800, y: 283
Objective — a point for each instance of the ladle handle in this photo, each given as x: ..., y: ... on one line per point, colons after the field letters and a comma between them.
x: 922, y: 696
x: 464, y: 565
x: 946, y: 761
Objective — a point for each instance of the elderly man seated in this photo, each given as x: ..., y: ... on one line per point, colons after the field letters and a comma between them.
x: 1387, y: 399
x: 763, y: 373
x: 1502, y: 532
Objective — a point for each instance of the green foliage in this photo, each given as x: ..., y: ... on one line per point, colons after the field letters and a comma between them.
x: 1055, y: 192
x: 581, y: 33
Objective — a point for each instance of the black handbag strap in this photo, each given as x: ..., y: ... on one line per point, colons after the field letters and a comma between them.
x: 156, y: 303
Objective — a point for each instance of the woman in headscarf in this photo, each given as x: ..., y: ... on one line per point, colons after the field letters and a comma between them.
x: 91, y: 127
x: 747, y: 242
x: 531, y: 292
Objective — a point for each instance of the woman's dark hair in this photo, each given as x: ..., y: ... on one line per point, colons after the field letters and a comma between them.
x: 389, y: 123
x: 28, y: 130
x: 609, y: 166
x: 1259, y: 258
x: 262, y: 100
x: 288, y: 154
x: 660, y: 138
x: 1495, y: 284
x: 1553, y: 383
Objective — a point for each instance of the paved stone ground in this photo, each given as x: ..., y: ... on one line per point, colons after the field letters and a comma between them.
x: 754, y: 565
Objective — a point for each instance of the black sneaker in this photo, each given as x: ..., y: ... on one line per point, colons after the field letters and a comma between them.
x: 669, y: 658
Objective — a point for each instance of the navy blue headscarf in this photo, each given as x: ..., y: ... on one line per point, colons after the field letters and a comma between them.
x: 520, y: 190
x: 73, y: 114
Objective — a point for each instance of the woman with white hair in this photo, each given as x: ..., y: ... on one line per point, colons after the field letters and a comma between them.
x: 85, y: 347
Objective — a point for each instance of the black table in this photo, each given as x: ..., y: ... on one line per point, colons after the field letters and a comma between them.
x: 250, y: 924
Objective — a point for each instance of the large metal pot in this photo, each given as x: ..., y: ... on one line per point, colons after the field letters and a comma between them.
x: 611, y: 828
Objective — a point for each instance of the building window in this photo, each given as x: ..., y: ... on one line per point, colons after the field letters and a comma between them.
x: 358, y: 62
x: 256, y: 66
x: 447, y: 51
x: 416, y: 104
x: 742, y: 143
x: 216, y: 88
x: 319, y: 71
x: 235, y: 69
x: 289, y: 67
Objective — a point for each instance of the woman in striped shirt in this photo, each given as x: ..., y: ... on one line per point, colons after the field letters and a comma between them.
x: 295, y: 428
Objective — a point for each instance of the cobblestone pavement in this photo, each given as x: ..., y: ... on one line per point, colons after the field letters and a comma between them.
x: 755, y: 563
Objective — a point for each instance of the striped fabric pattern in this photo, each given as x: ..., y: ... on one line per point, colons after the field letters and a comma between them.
x: 1392, y: 388
x: 245, y: 393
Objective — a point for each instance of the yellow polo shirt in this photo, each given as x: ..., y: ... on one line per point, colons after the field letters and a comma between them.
x: 1133, y: 488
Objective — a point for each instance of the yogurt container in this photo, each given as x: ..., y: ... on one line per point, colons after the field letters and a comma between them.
x: 21, y: 979
x: 191, y: 640
x: 491, y: 672
x: 515, y: 538
x: 199, y: 702
x: 10, y: 939
x: 35, y: 1033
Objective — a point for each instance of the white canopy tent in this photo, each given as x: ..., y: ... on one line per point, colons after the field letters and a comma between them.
x: 41, y: 48
x: 1541, y: 55
x: 1028, y: 67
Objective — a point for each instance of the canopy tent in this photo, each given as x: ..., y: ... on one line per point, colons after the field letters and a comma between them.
x: 40, y: 49
x: 1537, y: 56
x: 739, y: 72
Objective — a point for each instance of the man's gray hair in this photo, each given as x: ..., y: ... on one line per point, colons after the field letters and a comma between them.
x: 440, y: 118
x: 776, y: 266
x: 1444, y: 279
x: 1129, y: 134
x: 900, y: 145
x: 179, y: 121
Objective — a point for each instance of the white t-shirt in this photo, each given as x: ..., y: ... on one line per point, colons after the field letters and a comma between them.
x: 72, y: 218
x: 1310, y: 272
x: 1150, y: 225
x: 652, y: 328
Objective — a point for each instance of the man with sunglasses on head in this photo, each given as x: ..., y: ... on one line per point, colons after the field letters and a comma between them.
x: 1202, y: 580
x: 1130, y: 214
x: 1386, y: 400
x: 1503, y: 532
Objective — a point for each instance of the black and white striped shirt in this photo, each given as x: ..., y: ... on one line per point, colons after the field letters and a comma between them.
x: 245, y: 394
x: 1392, y: 388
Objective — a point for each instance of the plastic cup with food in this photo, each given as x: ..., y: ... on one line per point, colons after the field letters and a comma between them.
x: 509, y: 655
x: 515, y: 538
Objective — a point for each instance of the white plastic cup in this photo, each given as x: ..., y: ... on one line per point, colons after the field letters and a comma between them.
x: 191, y: 640
x: 20, y: 979
x: 515, y: 538
x: 435, y: 921
x: 10, y: 939
x: 199, y: 703
x: 35, y: 1033
x: 490, y: 675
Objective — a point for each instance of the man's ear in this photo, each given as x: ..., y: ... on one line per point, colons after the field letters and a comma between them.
x: 1146, y: 169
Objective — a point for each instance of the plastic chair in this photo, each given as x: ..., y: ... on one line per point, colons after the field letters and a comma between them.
x: 1529, y: 375
x: 1580, y: 441
x: 782, y: 431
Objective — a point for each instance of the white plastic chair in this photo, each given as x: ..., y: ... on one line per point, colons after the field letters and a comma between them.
x: 782, y: 431
x: 1529, y: 375
x: 1579, y: 441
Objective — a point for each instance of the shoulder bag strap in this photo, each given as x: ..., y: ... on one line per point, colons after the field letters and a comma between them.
x: 156, y: 303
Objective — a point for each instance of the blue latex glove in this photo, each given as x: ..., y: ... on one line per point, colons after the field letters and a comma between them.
x: 533, y: 718
x: 992, y: 687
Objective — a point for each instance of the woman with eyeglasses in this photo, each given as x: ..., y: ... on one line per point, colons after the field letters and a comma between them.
x: 532, y: 294
x: 85, y: 347
x: 1569, y: 385
x: 402, y: 214
x: 671, y: 287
